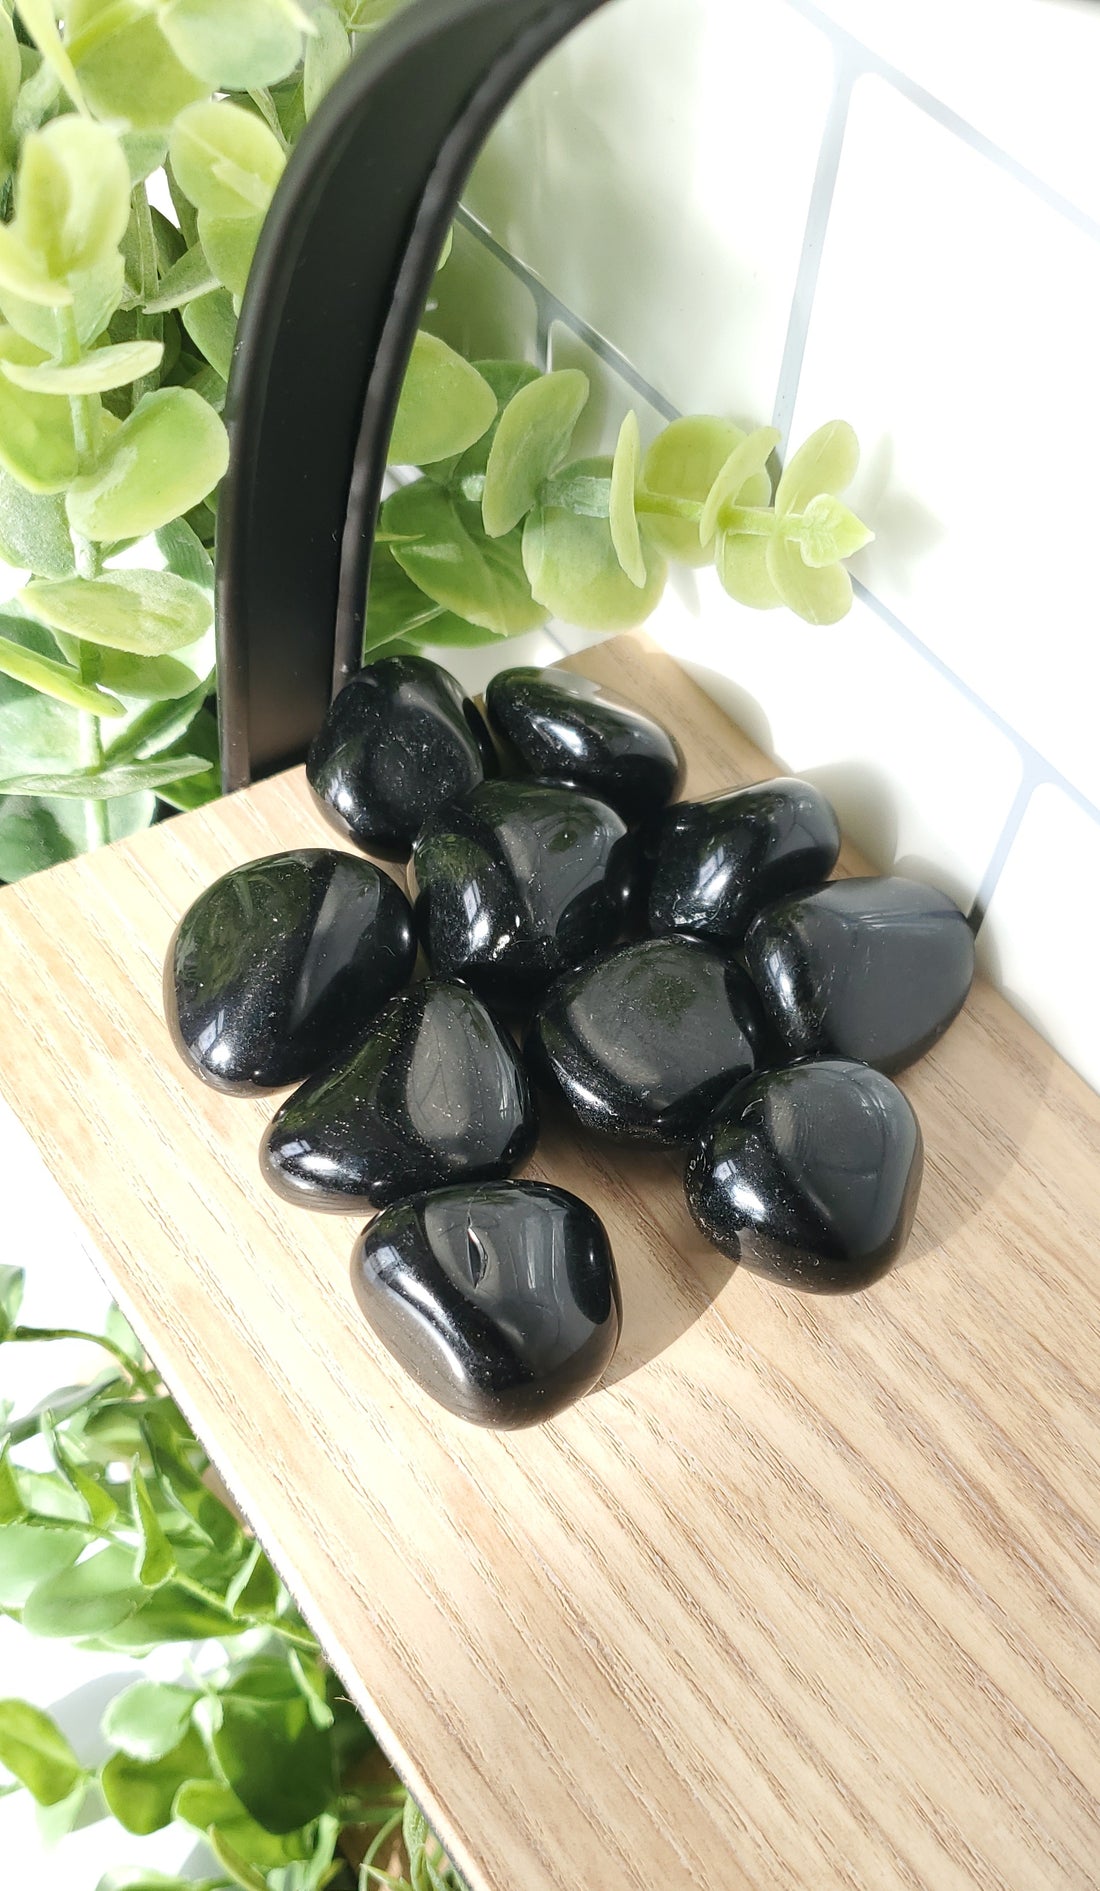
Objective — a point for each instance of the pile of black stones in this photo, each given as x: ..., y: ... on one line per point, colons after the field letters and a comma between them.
x: 681, y: 976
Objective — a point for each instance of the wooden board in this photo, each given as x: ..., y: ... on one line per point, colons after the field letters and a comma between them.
x: 805, y: 1597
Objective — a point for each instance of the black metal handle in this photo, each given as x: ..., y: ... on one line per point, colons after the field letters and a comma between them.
x: 338, y: 286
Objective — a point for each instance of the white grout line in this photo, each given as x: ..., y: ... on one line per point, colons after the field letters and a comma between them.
x: 1006, y: 840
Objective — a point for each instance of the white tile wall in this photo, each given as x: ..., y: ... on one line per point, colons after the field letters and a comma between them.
x: 806, y: 208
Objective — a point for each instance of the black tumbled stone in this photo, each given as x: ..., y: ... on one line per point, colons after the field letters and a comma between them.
x: 643, y: 1043
x: 874, y: 969
x: 518, y: 881
x: 567, y: 728
x: 717, y: 862
x: 436, y: 1093
x: 809, y: 1175
x: 501, y: 1300
x: 280, y: 965
x: 399, y: 741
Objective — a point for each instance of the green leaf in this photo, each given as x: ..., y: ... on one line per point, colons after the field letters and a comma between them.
x: 229, y: 244
x: 235, y: 45
x: 12, y: 1506
x: 310, y: 1677
x: 34, y: 530
x: 89, y: 1599
x: 573, y: 568
x: 170, y: 1614
x: 156, y: 1559
x: 210, y: 1804
x: 742, y: 565
x: 184, y: 553
x: 160, y: 726
x: 830, y: 532
x: 36, y: 1752
x: 820, y: 597
x: 141, y: 1793
x: 100, y: 1505
x: 225, y: 159
x: 278, y: 1762
x: 463, y: 472
x: 103, y: 785
x: 72, y: 195
x: 826, y: 463
x: 192, y: 276
x: 745, y: 464
x: 194, y: 790
x: 30, y: 1553
x: 445, y: 405
x: 23, y: 274
x: 531, y: 440
x: 38, y: 18
x: 36, y: 430
x: 683, y: 464
x: 128, y: 71
x: 167, y: 456
x: 327, y: 53
x: 143, y: 679
x: 36, y: 834
x: 623, y: 516
x: 95, y: 295
x: 149, y: 613
x: 397, y: 610
x: 12, y: 1281
x: 239, y: 1869
x: 58, y: 680
x: 212, y: 325
x: 144, y: 151
x: 149, y: 1719
x: 99, y: 371
x: 440, y: 543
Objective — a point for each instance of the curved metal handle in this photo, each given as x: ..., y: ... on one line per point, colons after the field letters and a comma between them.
x: 339, y: 283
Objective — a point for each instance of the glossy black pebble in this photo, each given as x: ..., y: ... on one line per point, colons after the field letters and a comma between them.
x: 644, y: 1042
x: 516, y: 882
x: 501, y: 1301
x: 810, y: 1175
x: 399, y: 741
x: 717, y: 862
x: 874, y: 969
x: 436, y: 1093
x: 566, y: 728
x: 281, y: 964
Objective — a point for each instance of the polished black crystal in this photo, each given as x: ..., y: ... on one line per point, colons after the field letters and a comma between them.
x: 436, y: 1093
x: 643, y: 1043
x: 501, y: 1300
x: 717, y: 862
x: 516, y: 882
x: 809, y: 1175
x: 566, y: 728
x: 281, y: 964
x: 399, y: 741
x: 872, y: 968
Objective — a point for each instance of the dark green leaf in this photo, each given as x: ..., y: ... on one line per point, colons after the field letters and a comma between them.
x: 278, y: 1762
x: 190, y: 277
x: 212, y: 326
x: 398, y: 610
x: 100, y: 1505
x: 156, y: 1560
x: 170, y: 1614
x: 36, y: 833
x: 206, y: 1804
x: 441, y: 544
x: 149, y: 1720
x: 197, y: 789
x: 239, y: 1869
x: 141, y: 1794
x: 185, y: 554
x: 36, y: 1752
x: 159, y: 727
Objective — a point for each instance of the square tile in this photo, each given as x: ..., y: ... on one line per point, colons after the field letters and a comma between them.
x: 955, y: 326
x: 1038, y: 941
x: 920, y: 779
x: 656, y: 174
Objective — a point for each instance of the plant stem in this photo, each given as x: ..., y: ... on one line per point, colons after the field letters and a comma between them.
x: 666, y: 506
x: 146, y: 1380
x: 758, y: 522
x: 91, y: 756
x: 298, y: 1638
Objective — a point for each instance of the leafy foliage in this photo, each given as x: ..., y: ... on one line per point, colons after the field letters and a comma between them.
x: 124, y: 1545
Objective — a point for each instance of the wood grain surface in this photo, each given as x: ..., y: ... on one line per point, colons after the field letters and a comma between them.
x: 805, y: 1596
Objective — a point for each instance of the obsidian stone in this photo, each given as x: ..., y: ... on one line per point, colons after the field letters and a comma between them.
x: 501, y: 1301
x: 566, y: 728
x: 717, y: 862
x: 435, y: 1093
x: 874, y: 969
x: 643, y: 1043
x: 280, y: 965
x: 810, y: 1175
x: 399, y: 741
x: 518, y: 881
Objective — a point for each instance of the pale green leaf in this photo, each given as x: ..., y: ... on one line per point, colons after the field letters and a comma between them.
x: 58, y: 680
x: 166, y: 457
x: 745, y: 463
x: 623, y: 517
x: 742, y: 565
x: 441, y: 544
x: 830, y: 532
x: 40, y: 22
x: 34, y: 530
x: 573, y: 568
x: 141, y: 679
x: 36, y: 1752
x: 212, y: 326
x: 229, y: 244
x: 149, y: 1719
x: 94, y: 294
x: 30, y: 1552
x: 327, y: 53
x: 445, y: 405
x: 192, y: 276
x: 225, y: 159
x: 531, y: 440
x: 683, y: 464
x: 37, y: 446
x: 826, y: 463
x: 820, y: 597
x: 149, y: 613
x: 104, y: 368
x: 234, y: 45
x: 129, y: 72
x: 12, y: 1281
x: 12, y: 1507
x: 144, y: 151
x: 127, y: 778
x: 23, y: 274
x: 141, y: 1793
x: 72, y: 195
